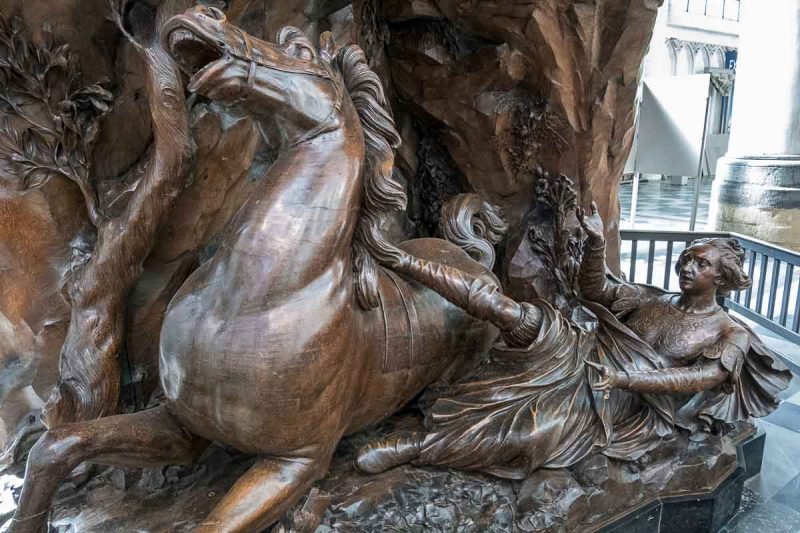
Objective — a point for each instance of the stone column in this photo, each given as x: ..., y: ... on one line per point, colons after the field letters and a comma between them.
x: 757, y: 188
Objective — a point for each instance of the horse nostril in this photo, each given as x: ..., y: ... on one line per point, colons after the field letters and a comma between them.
x: 216, y: 13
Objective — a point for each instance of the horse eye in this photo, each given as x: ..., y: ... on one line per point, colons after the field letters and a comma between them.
x: 216, y: 13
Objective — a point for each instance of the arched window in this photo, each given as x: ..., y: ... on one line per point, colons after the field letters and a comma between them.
x: 700, y: 61
x: 685, y: 62
x: 673, y: 60
x: 717, y: 59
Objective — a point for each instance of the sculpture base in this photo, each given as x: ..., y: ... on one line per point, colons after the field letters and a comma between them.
x: 685, y: 485
x: 703, y: 512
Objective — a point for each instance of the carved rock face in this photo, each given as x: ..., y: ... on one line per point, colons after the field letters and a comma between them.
x: 509, y: 87
x: 36, y: 228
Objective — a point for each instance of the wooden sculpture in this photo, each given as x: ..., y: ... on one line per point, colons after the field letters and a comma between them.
x: 307, y: 324
x: 291, y: 336
x: 665, y: 361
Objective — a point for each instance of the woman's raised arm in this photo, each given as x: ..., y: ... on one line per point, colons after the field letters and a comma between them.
x: 592, y: 279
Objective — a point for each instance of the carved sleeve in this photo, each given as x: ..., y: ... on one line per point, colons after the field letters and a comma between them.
x: 719, y: 365
x: 706, y: 374
x: 594, y: 283
x: 730, y: 352
x: 518, y: 322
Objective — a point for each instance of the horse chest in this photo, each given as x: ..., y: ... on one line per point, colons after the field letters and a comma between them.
x: 233, y: 370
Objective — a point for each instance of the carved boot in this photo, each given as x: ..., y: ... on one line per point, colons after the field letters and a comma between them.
x: 381, y: 455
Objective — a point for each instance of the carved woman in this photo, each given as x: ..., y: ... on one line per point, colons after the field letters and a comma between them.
x: 665, y: 360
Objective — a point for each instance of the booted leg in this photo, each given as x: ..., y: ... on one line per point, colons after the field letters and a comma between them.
x: 396, y: 450
x: 148, y: 438
x: 264, y: 493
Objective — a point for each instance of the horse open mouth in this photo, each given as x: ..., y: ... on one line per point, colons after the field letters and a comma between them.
x: 192, y: 52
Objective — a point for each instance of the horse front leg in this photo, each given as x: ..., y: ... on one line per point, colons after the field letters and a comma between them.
x: 148, y: 438
x: 266, y: 491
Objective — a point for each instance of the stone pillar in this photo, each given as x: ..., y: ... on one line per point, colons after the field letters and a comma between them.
x: 757, y: 188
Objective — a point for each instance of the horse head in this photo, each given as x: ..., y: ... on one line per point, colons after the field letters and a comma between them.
x: 289, y: 85
x: 299, y: 92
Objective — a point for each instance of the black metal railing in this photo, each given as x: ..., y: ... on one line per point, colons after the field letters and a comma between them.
x: 773, y: 301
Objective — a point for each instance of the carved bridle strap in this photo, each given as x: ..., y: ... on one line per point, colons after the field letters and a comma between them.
x: 246, y: 53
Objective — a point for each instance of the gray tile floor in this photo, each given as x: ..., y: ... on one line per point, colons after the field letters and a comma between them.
x: 771, y: 502
x: 664, y: 206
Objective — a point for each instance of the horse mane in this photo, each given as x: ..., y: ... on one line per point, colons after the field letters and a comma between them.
x: 293, y: 39
x: 382, y: 193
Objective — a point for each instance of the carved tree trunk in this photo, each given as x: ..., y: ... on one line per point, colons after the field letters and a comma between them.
x: 90, y: 375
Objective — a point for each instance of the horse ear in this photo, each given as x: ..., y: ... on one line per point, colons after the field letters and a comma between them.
x: 295, y: 43
x: 327, y: 45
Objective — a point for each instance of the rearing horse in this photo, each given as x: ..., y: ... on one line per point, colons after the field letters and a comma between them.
x: 291, y: 336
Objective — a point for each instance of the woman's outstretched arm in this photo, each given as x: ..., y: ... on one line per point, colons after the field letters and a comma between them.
x: 716, y: 366
x: 480, y: 297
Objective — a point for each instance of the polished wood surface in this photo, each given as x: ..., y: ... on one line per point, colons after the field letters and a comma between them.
x: 306, y: 321
x: 267, y: 346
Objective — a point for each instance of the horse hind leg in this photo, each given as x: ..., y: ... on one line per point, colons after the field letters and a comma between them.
x: 148, y: 438
x: 265, y: 492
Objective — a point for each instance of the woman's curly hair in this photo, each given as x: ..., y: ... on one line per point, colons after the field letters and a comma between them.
x: 731, y: 262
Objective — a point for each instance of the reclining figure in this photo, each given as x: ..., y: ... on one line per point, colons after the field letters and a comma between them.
x: 553, y: 392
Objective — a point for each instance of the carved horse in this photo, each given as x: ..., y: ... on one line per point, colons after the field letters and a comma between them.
x: 291, y: 336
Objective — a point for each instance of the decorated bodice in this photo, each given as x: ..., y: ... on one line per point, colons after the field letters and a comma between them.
x: 677, y: 336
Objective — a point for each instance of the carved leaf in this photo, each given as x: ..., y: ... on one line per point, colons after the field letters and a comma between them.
x: 33, y: 144
x: 55, y: 120
x: 36, y: 177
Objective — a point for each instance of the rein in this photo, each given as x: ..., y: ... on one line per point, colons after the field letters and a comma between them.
x: 245, y: 53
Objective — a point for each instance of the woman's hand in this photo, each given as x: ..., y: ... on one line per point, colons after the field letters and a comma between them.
x: 592, y: 225
x: 611, y: 379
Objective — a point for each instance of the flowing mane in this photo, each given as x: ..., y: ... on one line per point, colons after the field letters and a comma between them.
x: 382, y: 193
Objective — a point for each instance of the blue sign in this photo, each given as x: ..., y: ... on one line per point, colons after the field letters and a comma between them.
x: 730, y: 59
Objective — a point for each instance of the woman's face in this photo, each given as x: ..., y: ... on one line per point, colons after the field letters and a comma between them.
x: 699, y: 269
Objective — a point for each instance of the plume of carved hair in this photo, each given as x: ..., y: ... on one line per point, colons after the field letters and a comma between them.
x: 290, y: 37
x: 473, y: 224
x: 382, y: 193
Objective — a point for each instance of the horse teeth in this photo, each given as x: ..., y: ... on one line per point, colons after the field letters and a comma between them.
x: 181, y: 35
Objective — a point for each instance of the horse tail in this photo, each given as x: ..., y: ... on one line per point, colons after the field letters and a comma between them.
x: 474, y: 224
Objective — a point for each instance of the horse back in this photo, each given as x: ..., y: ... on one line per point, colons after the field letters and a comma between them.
x: 416, y: 337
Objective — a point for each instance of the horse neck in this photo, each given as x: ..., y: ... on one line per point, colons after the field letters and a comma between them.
x: 304, y: 212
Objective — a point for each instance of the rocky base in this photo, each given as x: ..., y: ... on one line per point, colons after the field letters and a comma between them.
x: 692, y: 478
